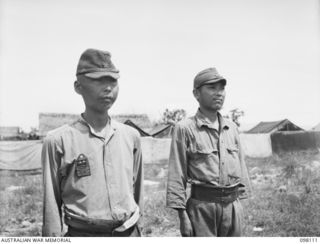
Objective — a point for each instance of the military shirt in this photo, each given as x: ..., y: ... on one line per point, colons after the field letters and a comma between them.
x: 107, y: 187
x: 202, y: 155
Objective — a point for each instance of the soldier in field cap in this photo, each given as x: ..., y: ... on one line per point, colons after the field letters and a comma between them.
x: 206, y: 152
x: 92, y: 168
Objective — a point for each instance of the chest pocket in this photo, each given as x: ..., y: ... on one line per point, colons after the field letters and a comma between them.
x: 198, y: 151
x: 233, y: 151
x: 78, y: 178
x: 233, y: 164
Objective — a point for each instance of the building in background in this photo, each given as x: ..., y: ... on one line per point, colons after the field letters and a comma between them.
x: 278, y: 137
x: 9, y: 132
x: 51, y: 121
x: 274, y: 126
x: 316, y: 128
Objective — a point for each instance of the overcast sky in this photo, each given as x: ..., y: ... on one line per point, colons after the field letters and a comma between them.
x: 267, y: 49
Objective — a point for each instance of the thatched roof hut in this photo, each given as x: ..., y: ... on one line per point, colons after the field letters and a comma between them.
x: 141, y: 120
x: 50, y: 121
x: 274, y: 126
x: 9, y: 131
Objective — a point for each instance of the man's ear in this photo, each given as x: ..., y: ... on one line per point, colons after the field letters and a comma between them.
x: 196, y: 94
x: 77, y: 87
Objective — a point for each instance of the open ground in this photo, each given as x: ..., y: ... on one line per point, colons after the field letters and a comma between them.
x: 284, y: 201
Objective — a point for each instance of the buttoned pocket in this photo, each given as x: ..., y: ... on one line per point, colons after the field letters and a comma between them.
x: 80, y: 180
x: 202, y: 148
x: 232, y: 149
x: 233, y: 152
x: 84, y: 177
x: 203, y: 162
x: 233, y: 164
x: 200, y: 151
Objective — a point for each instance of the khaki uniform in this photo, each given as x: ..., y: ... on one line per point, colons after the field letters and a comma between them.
x: 100, y: 194
x: 213, y: 163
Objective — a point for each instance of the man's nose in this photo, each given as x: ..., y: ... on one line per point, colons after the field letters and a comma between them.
x: 108, y: 88
x: 220, y: 92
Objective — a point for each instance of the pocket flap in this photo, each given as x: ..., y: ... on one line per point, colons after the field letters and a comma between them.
x: 232, y: 149
x: 205, y: 149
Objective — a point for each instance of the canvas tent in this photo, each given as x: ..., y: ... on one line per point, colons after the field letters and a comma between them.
x: 20, y: 155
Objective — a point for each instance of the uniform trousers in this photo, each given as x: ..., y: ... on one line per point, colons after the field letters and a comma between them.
x: 215, y: 219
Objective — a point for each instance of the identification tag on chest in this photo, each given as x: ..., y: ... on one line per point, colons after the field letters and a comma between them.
x: 82, y: 166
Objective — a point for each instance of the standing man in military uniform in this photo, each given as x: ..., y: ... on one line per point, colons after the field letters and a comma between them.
x: 206, y: 153
x: 92, y: 168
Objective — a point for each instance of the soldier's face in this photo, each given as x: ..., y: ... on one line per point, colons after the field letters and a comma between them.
x: 98, y: 94
x: 211, y: 96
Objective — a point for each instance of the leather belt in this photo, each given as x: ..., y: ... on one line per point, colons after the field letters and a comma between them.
x: 215, y: 194
x: 91, y: 225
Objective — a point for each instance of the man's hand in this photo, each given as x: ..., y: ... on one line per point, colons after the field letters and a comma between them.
x: 185, y: 224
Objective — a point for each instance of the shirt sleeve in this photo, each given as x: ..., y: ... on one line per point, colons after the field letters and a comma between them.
x: 245, y: 191
x: 177, y: 172
x: 138, y: 174
x: 50, y: 159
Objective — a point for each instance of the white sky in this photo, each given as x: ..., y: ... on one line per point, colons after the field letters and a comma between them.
x: 267, y: 49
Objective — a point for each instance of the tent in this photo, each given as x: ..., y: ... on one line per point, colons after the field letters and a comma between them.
x: 20, y: 155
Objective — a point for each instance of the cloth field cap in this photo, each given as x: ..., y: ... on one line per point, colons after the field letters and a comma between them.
x: 207, y: 76
x: 95, y: 64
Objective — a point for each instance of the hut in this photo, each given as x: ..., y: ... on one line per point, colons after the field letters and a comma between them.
x: 9, y: 132
x: 51, y: 121
x: 274, y: 126
x: 278, y: 137
x: 316, y: 128
x: 162, y: 131
x: 132, y: 124
x: 140, y: 120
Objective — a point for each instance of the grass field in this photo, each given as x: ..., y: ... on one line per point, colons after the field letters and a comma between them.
x: 284, y: 202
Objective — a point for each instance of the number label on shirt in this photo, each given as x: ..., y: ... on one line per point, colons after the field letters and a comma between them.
x: 82, y: 166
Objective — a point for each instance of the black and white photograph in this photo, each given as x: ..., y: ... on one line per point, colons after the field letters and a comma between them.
x: 162, y: 118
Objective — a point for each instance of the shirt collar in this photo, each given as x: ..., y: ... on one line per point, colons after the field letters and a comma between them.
x: 112, y: 124
x: 202, y: 120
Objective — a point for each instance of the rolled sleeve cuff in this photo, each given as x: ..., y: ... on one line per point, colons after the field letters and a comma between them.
x: 176, y: 203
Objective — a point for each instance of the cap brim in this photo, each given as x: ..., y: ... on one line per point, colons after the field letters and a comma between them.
x: 224, y: 81
x: 99, y: 74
